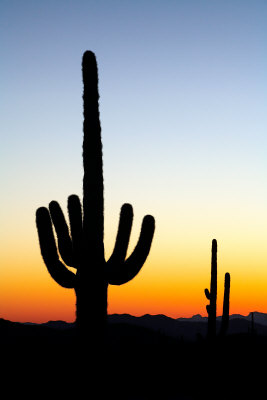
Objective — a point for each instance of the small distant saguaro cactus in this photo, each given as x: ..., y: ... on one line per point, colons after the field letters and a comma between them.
x: 212, y: 293
x: 80, y: 245
x: 212, y: 297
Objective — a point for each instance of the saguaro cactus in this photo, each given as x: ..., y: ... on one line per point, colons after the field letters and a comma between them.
x: 226, y: 305
x: 212, y: 297
x: 82, y: 247
x: 212, y: 293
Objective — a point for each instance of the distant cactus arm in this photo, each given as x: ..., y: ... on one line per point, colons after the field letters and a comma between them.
x: 121, y: 273
x: 55, y: 267
x: 226, y: 302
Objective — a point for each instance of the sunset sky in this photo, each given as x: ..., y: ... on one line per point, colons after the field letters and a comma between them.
x: 183, y: 100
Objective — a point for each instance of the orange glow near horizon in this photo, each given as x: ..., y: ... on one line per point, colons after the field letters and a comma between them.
x: 174, y: 287
x: 171, y: 282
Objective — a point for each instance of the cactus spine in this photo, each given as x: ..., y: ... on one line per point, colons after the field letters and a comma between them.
x: 81, y: 244
x: 212, y: 293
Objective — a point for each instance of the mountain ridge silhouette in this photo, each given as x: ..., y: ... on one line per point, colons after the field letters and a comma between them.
x: 190, y: 328
x: 181, y: 327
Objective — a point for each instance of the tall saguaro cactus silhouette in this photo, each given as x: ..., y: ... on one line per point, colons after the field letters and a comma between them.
x: 81, y: 245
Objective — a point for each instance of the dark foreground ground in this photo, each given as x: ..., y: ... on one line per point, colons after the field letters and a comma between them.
x: 134, y: 363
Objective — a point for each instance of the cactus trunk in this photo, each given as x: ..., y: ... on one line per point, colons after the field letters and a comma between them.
x: 91, y: 308
x: 93, y: 186
x: 91, y: 303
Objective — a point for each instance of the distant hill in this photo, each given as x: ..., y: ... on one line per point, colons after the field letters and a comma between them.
x: 191, y: 328
x: 259, y: 318
x: 180, y: 328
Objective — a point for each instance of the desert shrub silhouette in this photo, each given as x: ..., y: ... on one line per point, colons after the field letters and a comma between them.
x: 81, y: 247
x: 212, y: 297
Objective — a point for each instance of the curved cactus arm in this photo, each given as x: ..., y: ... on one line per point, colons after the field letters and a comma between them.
x: 76, y: 228
x: 207, y: 293
x: 123, y: 272
x: 123, y: 236
x: 48, y: 247
x: 63, y: 237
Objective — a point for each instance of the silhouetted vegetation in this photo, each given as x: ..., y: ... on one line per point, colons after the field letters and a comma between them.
x: 226, y: 305
x: 82, y: 247
x: 212, y: 293
x: 212, y: 297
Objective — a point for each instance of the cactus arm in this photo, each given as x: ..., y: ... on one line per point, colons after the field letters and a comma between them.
x: 55, y: 267
x: 207, y: 293
x: 75, y: 218
x: 122, y: 240
x: 119, y: 274
x: 226, y: 304
x: 62, y: 231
